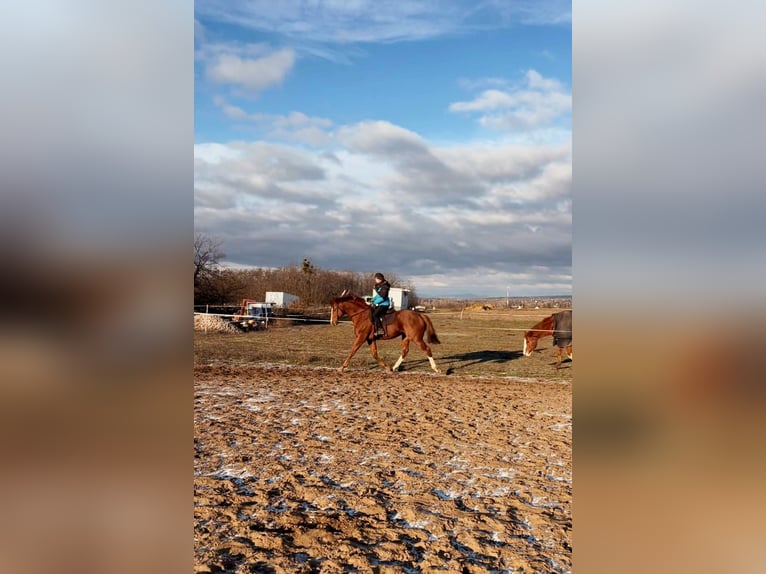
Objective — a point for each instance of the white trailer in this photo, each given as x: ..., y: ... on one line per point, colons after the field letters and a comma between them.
x: 280, y: 298
x: 399, y: 297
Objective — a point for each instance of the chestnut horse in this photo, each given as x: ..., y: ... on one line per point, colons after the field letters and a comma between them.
x: 560, y: 326
x: 410, y: 325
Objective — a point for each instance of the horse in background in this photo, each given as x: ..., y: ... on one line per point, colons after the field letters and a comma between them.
x: 410, y: 325
x: 560, y: 326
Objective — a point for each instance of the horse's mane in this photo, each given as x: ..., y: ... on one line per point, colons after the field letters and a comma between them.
x: 350, y: 297
x: 547, y: 324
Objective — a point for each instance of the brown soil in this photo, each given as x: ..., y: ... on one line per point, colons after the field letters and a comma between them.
x: 305, y: 469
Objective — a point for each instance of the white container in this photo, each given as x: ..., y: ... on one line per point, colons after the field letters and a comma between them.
x: 280, y: 298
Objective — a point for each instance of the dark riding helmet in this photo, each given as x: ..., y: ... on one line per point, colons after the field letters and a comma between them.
x: 380, y: 276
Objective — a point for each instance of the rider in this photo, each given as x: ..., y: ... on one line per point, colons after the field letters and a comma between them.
x: 380, y: 302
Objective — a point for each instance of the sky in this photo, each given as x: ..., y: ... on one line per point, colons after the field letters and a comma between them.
x: 426, y: 139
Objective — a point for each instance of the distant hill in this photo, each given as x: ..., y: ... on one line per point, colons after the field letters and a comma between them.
x: 464, y: 300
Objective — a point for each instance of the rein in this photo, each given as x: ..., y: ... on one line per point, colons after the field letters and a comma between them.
x: 358, y: 312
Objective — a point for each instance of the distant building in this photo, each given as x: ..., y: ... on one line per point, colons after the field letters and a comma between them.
x: 280, y: 298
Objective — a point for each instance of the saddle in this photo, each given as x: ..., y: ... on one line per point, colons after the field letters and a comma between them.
x: 385, y: 320
x: 388, y: 317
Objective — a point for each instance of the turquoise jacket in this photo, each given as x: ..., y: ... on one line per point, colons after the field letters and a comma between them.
x: 380, y: 299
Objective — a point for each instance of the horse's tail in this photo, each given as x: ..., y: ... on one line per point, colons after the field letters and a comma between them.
x: 430, y: 331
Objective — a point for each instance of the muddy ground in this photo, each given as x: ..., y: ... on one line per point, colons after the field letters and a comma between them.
x: 305, y: 469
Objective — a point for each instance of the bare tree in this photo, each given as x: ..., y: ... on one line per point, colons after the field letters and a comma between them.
x: 207, y: 254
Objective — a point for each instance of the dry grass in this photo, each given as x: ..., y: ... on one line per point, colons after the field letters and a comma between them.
x: 473, y: 343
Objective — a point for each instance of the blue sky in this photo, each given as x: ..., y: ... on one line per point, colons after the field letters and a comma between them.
x: 430, y: 140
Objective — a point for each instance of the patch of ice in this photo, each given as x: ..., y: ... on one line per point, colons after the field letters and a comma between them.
x: 420, y: 524
x: 230, y: 472
x: 448, y: 495
x: 266, y: 397
x: 504, y: 473
x: 562, y: 415
x: 372, y: 457
x: 497, y: 492
x: 558, y: 478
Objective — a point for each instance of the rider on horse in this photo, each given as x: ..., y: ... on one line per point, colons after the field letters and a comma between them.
x: 380, y: 302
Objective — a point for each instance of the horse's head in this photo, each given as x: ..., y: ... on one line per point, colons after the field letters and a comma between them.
x: 336, y: 309
x: 530, y: 342
x: 336, y: 312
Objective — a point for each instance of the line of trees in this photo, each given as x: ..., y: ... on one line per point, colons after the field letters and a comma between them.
x: 214, y: 285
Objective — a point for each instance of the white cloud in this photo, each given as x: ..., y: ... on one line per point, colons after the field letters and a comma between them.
x: 365, y: 21
x: 299, y: 127
x: 252, y: 74
x: 499, y: 162
x: 293, y: 127
x: 536, y: 81
x: 535, y: 103
x: 450, y: 213
x: 231, y: 111
x: 380, y: 137
x: 488, y: 100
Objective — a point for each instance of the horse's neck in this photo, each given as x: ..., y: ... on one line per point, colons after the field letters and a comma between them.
x: 356, y: 309
x: 544, y: 327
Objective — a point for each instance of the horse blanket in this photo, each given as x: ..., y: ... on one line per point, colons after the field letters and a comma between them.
x: 562, y: 334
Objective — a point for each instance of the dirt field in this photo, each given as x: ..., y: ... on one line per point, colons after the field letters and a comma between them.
x: 299, y: 468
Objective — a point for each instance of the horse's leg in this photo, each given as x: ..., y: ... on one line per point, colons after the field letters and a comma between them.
x: 374, y: 351
x: 569, y: 351
x: 558, y: 356
x: 427, y: 350
x: 360, y: 338
x: 405, y: 350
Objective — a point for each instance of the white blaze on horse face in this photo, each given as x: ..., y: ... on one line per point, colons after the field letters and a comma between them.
x: 333, y: 319
x: 526, y: 354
